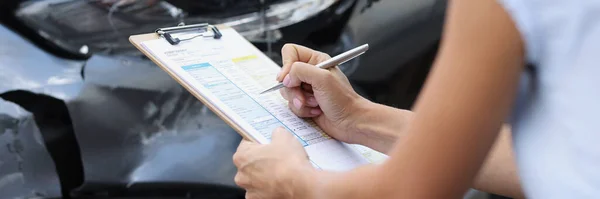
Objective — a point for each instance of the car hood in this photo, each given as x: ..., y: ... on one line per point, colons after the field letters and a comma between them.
x: 129, y: 123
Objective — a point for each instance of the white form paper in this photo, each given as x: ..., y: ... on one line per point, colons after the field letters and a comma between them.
x: 230, y: 73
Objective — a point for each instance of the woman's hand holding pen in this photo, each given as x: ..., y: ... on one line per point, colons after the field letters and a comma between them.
x: 328, y: 98
x: 324, y: 95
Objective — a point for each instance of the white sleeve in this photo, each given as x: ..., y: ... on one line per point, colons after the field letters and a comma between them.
x: 521, y: 12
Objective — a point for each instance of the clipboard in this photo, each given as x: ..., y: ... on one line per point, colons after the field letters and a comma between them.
x: 200, y: 30
x: 341, y: 156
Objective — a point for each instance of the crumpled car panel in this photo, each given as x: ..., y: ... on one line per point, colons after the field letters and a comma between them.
x: 33, y: 85
x: 26, y: 169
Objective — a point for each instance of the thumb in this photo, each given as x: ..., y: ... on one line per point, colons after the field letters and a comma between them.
x: 281, y: 135
x: 310, y: 74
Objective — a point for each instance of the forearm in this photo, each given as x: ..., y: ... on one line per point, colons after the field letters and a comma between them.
x: 381, y: 126
x: 363, y: 182
x: 499, y: 172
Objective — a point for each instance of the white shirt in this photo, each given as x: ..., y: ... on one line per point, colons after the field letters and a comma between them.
x: 556, y: 120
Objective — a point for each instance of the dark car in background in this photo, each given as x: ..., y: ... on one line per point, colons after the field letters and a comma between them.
x: 85, y: 115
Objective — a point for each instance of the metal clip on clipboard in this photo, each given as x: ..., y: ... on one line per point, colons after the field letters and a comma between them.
x: 203, y: 30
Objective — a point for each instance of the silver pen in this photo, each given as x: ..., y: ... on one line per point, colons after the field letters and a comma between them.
x: 337, y: 60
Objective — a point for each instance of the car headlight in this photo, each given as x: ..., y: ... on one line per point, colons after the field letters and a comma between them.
x: 103, y: 26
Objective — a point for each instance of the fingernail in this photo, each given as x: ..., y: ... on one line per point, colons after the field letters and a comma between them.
x: 286, y: 80
x: 315, y: 111
x: 312, y: 101
x: 297, y: 103
x: 278, y: 75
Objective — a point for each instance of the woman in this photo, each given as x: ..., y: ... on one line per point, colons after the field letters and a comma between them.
x: 437, y: 151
